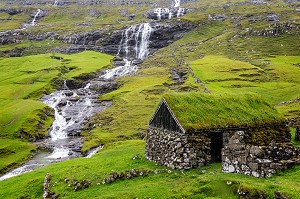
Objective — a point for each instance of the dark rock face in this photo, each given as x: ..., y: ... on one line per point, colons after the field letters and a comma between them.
x: 11, y: 11
x: 84, y: 38
x: 103, y: 86
x: 273, y: 30
x: 12, y: 36
x: 161, y: 36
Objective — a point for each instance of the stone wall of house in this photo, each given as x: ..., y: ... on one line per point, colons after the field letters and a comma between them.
x: 178, y: 151
x: 259, y: 161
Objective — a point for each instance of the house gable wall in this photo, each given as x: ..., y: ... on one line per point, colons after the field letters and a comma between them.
x: 177, y: 151
x: 165, y: 119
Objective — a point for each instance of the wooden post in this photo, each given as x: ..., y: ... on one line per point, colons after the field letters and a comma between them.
x: 297, y: 135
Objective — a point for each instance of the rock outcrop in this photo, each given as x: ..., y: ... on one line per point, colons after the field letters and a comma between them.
x: 162, y: 35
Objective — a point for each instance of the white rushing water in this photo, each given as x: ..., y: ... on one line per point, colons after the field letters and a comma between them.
x: 166, y: 13
x: 161, y: 12
x: 94, y: 151
x: 34, y: 18
x: 177, y: 4
x: 37, y: 162
x: 180, y: 12
x: 133, y: 45
x: 73, y: 107
x: 55, y: 3
x: 120, y: 71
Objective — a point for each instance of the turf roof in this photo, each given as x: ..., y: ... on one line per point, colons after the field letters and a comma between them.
x: 197, y: 111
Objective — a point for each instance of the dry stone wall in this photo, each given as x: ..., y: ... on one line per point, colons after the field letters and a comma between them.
x: 257, y: 161
x: 177, y: 151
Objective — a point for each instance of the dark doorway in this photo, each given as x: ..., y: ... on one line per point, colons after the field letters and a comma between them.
x: 216, y: 146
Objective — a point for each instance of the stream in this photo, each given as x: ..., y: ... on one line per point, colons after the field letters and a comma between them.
x: 73, y: 107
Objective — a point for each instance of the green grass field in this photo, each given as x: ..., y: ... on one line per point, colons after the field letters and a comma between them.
x: 205, y: 182
x: 227, y: 60
x: 23, y: 81
x: 277, y: 81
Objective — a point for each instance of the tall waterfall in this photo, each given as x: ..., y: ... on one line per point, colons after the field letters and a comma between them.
x: 139, y: 36
x: 34, y: 18
x: 133, y: 45
x: 74, y: 106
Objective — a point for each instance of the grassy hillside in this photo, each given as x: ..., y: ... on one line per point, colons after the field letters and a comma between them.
x: 205, y: 182
x: 228, y: 56
x: 277, y: 80
x: 23, y: 81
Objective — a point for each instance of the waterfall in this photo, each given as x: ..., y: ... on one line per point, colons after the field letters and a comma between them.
x: 166, y: 13
x: 34, y: 18
x: 142, y: 43
x: 133, y: 45
x: 180, y: 12
x: 157, y: 11
x: 55, y: 3
x: 139, y: 36
x: 177, y: 4
x: 162, y: 12
x: 65, y: 85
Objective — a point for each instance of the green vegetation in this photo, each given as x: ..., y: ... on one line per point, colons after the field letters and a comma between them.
x: 23, y: 81
x: 276, y: 81
x: 223, y: 54
x: 14, y: 152
x: 204, y: 111
x: 295, y: 143
x: 133, y: 106
x: 205, y: 182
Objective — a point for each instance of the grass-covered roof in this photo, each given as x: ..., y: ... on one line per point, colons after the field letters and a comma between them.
x: 205, y: 111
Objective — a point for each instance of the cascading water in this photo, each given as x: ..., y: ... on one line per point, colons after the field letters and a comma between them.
x: 162, y: 12
x: 180, y: 12
x: 94, y: 151
x: 55, y: 3
x: 34, y: 18
x: 177, y: 4
x: 133, y: 46
x: 73, y: 107
x: 166, y: 13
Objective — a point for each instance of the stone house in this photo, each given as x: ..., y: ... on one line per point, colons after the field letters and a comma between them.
x: 191, y: 129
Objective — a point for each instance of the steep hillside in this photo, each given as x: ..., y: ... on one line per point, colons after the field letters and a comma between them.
x: 218, y: 47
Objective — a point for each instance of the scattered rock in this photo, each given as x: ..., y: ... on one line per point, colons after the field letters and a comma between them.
x: 48, y: 194
x: 279, y: 195
x: 273, y: 18
x: 217, y: 17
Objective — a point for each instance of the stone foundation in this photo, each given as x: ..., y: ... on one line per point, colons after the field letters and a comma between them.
x: 257, y: 161
x: 177, y: 151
